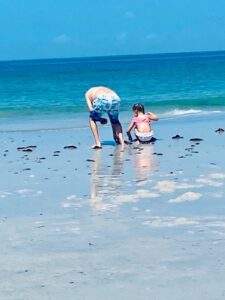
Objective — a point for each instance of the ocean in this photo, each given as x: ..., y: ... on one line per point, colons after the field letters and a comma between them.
x: 168, y: 84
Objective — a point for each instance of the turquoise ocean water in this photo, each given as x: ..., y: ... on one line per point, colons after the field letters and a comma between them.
x: 169, y: 84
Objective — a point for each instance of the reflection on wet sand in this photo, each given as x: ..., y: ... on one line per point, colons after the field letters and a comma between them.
x: 109, y: 187
x: 143, y: 166
x: 143, y: 162
x: 106, y: 179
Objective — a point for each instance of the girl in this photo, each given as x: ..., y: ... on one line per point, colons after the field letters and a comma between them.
x: 141, y: 124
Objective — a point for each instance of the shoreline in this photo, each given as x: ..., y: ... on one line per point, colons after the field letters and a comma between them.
x: 80, y: 120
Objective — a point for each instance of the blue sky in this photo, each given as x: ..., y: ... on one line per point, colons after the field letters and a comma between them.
x: 73, y: 28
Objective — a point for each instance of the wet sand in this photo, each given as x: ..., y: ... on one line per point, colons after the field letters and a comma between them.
x: 146, y: 223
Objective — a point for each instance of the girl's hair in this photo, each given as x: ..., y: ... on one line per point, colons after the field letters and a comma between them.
x: 139, y: 107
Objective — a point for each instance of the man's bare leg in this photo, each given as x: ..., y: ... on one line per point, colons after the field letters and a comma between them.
x: 117, y: 133
x: 94, y: 129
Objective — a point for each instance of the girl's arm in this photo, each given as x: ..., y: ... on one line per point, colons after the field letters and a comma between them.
x: 131, y: 126
x: 152, y: 116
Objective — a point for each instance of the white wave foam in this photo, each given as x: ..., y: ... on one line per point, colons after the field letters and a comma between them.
x: 191, y: 111
x: 180, y: 112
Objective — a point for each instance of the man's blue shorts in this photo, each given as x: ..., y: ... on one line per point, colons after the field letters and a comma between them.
x: 105, y: 105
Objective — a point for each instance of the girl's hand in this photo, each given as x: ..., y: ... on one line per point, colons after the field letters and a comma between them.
x: 129, y: 137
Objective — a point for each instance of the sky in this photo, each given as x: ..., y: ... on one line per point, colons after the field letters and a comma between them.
x: 32, y: 29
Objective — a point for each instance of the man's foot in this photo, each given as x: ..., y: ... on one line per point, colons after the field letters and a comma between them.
x: 96, y: 147
x: 116, y: 139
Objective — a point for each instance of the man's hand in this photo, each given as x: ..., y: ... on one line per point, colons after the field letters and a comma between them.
x: 103, y: 121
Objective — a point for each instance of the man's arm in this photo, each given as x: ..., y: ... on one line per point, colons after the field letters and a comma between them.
x: 88, y: 100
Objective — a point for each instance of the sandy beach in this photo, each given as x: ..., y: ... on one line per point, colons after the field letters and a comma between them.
x: 146, y: 223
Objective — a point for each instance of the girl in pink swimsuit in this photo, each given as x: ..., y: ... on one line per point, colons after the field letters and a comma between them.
x: 141, y: 123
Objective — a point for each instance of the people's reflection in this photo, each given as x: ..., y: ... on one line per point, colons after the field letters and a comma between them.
x: 106, y: 179
x: 143, y: 162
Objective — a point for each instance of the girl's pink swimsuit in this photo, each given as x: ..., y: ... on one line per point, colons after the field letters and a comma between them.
x: 141, y: 120
x: 143, y: 136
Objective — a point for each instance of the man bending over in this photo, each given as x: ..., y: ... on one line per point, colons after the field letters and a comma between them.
x: 102, y: 100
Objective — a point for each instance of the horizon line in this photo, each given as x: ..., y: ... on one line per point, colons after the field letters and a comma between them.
x: 114, y: 55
